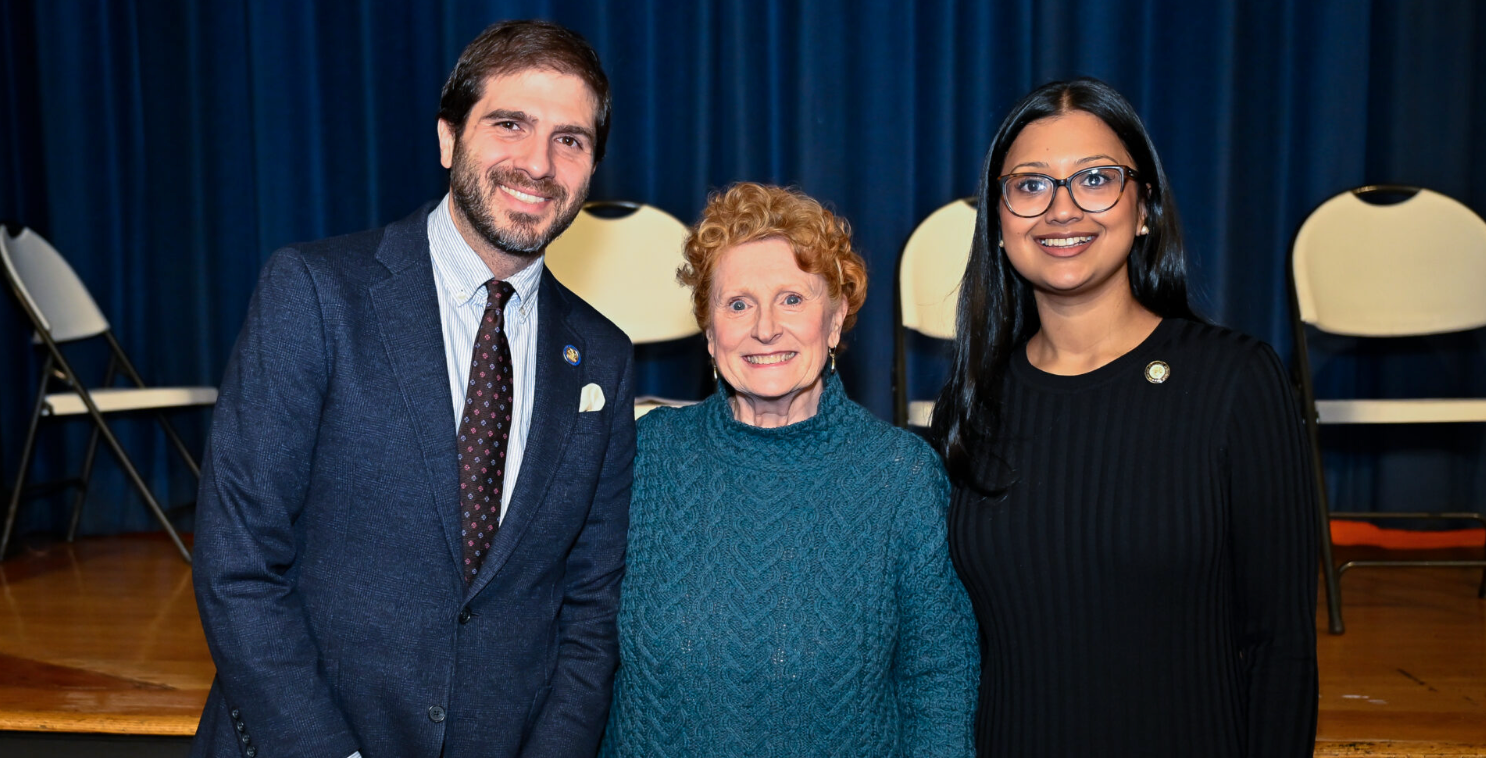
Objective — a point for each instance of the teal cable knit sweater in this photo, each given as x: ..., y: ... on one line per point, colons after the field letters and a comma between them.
x: 788, y: 592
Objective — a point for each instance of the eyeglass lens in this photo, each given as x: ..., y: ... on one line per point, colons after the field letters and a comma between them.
x: 1093, y: 189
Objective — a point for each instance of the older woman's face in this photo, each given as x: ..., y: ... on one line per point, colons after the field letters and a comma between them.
x: 773, y: 324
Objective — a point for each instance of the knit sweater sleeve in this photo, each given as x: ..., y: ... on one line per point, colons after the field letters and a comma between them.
x: 937, y: 661
x: 1274, y: 533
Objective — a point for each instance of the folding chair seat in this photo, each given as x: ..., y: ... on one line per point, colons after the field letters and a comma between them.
x: 62, y: 311
x: 929, y: 273
x: 1361, y: 267
x: 621, y: 257
x: 120, y: 399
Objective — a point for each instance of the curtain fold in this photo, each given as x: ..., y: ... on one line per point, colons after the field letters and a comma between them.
x: 167, y: 147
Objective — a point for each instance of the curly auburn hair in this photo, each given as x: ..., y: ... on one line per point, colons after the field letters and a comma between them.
x: 748, y: 212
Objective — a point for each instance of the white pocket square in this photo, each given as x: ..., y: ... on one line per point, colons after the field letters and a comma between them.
x: 592, y: 398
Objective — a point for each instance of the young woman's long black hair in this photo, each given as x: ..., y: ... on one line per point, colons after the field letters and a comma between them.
x: 996, y: 312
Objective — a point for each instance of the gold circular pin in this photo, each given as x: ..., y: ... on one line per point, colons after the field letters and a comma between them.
x: 1157, y: 372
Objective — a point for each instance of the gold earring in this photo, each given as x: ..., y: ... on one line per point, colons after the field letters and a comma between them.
x: 833, y: 360
x: 714, y: 371
x: 1144, y: 229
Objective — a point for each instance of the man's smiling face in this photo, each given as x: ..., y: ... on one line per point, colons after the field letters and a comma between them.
x: 520, y: 167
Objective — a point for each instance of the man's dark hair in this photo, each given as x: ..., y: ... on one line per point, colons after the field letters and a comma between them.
x: 513, y: 46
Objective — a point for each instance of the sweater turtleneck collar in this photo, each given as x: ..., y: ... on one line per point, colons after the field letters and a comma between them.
x: 788, y: 446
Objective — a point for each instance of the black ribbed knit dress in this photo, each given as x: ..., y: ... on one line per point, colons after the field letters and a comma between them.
x: 1147, y: 586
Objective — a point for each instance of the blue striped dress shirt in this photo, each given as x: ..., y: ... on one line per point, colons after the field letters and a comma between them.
x: 460, y: 276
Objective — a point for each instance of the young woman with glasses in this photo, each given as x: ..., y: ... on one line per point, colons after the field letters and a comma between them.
x: 1132, y: 514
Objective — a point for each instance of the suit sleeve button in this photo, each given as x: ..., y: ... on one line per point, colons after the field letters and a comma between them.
x: 465, y: 615
x: 234, y: 714
x: 436, y: 713
x: 240, y: 726
x: 251, y: 751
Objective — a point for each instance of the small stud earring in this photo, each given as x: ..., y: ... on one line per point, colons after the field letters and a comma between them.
x: 1000, y: 242
x: 1144, y: 230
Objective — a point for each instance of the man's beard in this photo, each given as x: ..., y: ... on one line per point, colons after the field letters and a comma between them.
x: 522, y: 235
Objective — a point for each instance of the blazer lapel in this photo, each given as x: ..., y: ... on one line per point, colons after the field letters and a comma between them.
x: 407, y: 310
x: 554, y: 410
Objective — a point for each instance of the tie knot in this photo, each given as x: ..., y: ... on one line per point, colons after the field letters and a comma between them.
x: 498, y: 293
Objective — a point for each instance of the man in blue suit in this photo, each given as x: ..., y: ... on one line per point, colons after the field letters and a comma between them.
x: 410, y: 532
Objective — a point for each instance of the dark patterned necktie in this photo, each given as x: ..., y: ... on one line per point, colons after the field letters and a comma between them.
x: 484, y: 430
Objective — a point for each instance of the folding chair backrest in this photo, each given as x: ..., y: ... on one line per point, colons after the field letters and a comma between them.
x: 50, y: 289
x: 931, y: 268
x: 1410, y: 268
x: 626, y: 268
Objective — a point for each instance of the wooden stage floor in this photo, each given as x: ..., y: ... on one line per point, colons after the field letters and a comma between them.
x: 102, y: 637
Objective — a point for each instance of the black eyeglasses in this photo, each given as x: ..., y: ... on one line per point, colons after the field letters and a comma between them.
x: 1095, y: 189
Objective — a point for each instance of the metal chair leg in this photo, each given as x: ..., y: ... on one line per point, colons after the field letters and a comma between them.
x: 1481, y: 591
x: 87, y: 475
x: 1323, y: 514
x: 180, y: 446
x: 1328, y: 569
x: 26, y: 452
x: 139, y: 484
x: 1307, y: 398
x: 82, y: 486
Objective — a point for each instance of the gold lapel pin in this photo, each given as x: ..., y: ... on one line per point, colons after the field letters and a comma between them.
x: 1157, y: 372
x: 571, y: 355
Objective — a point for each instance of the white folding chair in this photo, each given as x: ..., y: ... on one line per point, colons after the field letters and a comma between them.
x: 621, y: 258
x: 62, y: 311
x: 929, y: 273
x: 1364, y: 268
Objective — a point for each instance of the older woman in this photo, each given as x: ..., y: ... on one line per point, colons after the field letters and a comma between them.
x: 789, y: 590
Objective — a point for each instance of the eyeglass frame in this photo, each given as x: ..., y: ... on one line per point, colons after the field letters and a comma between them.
x: 1126, y: 174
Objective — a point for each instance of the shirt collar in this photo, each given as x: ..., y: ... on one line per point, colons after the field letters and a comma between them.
x: 466, y: 272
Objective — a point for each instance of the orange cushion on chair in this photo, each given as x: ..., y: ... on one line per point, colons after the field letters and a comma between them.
x: 1363, y: 533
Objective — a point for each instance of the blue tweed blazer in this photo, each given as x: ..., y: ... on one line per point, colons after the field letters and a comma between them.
x: 327, y: 555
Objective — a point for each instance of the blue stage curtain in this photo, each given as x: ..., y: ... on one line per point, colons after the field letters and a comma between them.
x: 167, y: 147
